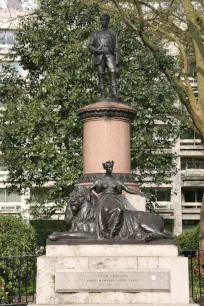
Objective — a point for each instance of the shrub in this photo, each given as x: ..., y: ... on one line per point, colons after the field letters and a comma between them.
x: 16, y: 236
x: 17, y: 265
x: 188, y: 240
x: 44, y: 228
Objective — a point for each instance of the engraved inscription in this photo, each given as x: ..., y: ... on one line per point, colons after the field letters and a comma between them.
x: 102, y: 280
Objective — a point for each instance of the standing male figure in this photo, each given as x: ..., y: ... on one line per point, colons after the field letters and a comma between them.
x: 105, y: 48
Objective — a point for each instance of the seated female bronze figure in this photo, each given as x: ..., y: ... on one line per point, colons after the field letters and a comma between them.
x: 111, y: 206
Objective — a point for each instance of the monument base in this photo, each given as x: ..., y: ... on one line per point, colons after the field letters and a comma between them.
x: 112, y: 274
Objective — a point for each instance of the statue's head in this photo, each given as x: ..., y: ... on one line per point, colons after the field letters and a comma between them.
x: 104, y: 19
x: 108, y: 166
x: 77, y: 198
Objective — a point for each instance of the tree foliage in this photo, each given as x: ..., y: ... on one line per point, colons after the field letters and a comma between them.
x: 16, y: 236
x: 40, y: 129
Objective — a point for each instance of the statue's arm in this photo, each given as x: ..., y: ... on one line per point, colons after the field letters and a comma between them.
x: 91, y: 47
x: 132, y: 191
x: 96, y: 186
x: 92, y: 187
x: 117, y: 51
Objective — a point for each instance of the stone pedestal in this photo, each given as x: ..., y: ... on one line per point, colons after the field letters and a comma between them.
x: 112, y: 274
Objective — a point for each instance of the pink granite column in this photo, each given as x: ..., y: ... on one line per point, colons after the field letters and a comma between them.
x: 106, y: 136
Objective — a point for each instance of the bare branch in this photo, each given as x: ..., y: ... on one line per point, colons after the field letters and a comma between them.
x: 140, y: 13
x: 122, y: 13
x: 158, y: 12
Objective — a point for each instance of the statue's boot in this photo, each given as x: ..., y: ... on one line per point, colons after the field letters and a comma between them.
x: 113, y: 84
x: 101, y: 84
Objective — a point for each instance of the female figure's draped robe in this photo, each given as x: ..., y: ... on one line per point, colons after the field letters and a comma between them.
x: 114, y: 219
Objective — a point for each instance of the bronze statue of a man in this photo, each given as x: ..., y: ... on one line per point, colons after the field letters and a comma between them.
x: 105, y: 48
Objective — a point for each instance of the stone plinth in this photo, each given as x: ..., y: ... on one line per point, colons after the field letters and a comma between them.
x: 146, y: 274
x: 100, y: 248
x: 106, y: 136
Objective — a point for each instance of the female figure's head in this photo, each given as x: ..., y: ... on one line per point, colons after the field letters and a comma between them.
x: 108, y: 166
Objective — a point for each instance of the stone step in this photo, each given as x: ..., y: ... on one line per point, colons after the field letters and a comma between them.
x: 119, y: 304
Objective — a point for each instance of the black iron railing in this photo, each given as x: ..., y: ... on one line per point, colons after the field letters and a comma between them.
x: 196, y: 275
x: 17, y: 279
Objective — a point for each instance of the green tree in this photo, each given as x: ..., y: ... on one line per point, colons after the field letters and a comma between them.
x: 40, y: 130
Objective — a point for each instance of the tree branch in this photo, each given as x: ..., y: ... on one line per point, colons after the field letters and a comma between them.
x: 122, y: 13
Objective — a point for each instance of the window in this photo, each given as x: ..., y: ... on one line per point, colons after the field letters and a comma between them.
x: 6, y: 196
x: 189, y: 134
x: 29, y: 4
x: 192, y: 65
x: 7, y: 37
x: 10, y: 4
x: 17, y: 67
x: 163, y: 195
x: 10, y: 207
x: 14, y: 3
x: 192, y: 163
x: 3, y: 166
x: 189, y: 224
x: 160, y: 195
x: 14, y: 65
x: 193, y: 195
x: 39, y: 193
